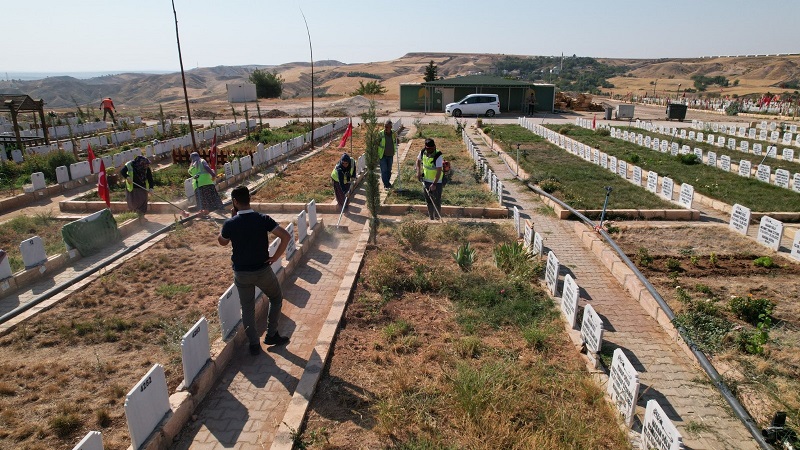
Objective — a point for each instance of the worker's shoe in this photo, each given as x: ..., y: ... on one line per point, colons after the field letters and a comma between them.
x: 276, y: 339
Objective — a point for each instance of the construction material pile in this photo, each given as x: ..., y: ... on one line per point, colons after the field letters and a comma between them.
x: 583, y: 102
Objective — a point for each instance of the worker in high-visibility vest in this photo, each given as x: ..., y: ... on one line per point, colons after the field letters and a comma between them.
x: 387, y: 147
x: 138, y: 177
x: 429, y: 171
x: 205, y: 191
x: 342, y: 175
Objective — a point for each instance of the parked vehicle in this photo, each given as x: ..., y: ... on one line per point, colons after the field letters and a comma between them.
x: 478, y: 104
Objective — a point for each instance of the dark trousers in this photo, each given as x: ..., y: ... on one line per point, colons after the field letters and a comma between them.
x: 111, y: 112
x: 340, y: 192
x: 386, y: 170
x: 246, y: 283
x: 433, y: 199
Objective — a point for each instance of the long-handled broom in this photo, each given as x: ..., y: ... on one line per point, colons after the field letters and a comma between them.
x: 184, y: 213
x: 425, y: 190
x: 344, y: 205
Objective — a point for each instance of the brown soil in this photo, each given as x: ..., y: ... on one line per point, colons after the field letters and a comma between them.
x: 764, y: 383
x: 66, y: 371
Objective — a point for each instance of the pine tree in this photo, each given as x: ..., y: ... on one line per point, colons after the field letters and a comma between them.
x: 431, y: 72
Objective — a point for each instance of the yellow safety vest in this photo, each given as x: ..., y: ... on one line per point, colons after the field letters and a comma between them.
x: 203, y: 180
x: 129, y: 178
x: 429, y: 166
x: 349, y: 174
x: 382, y: 145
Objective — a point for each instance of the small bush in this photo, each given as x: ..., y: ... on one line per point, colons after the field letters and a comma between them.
x: 514, y: 259
x: 602, y: 132
x: 64, y: 425
x: 705, y: 330
x: 413, y: 233
x: 673, y: 265
x: 712, y: 259
x: 550, y: 186
x: 752, y: 341
x: 633, y: 158
x: 643, y: 257
x: 688, y: 159
x: 765, y: 262
x: 465, y: 257
x: 751, y: 310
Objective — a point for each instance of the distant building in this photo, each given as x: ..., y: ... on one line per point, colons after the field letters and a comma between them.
x: 241, y: 93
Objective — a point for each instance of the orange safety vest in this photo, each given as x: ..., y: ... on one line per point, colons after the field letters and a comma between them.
x: 108, y: 104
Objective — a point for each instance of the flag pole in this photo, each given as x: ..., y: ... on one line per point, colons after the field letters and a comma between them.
x: 311, y: 50
x: 183, y: 79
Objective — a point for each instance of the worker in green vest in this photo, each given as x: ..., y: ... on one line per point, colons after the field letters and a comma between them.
x: 138, y: 177
x: 386, y: 150
x: 429, y: 171
x: 342, y: 175
x: 205, y: 191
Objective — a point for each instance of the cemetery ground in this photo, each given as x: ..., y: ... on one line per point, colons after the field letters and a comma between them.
x: 579, y: 183
x: 433, y: 356
x: 712, y: 182
x: 739, y: 305
x: 66, y: 370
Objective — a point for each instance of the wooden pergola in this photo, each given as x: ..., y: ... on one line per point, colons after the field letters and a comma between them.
x: 20, y: 103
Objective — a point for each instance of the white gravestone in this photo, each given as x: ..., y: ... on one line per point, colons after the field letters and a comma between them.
x: 37, y: 178
x: 751, y: 133
x: 551, y: 273
x: 62, y: 174
x: 762, y: 135
x: 33, y: 253
x: 273, y: 247
x: 757, y: 149
x: 604, y: 160
x: 195, y: 351
x: 763, y: 173
x: 623, y: 386
x: 725, y: 163
x: 292, y: 246
x: 667, y: 187
x: 770, y: 232
x: 732, y: 143
x: 92, y: 441
x: 744, y: 146
x: 302, y: 227
x: 146, y: 404
x: 517, y: 224
x: 5, y: 268
x: 235, y: 167
x: 700, y: 137
x: 637, y: 175
x: 537, y: 243
x: 652, y: 182
x: 658, y: 432
x: 782, y: 178
x: 686, y: 195
x: 698, y: 153
x: 312, y: 214
x: 795, y: 253
x: 528, y: 236
x: 622, y: 169
x: 740, y: 219
x: 796, y: 182
x: 744, y: 168
x: 229, y: 310
x: 569, y: 300
x: 788, y: 154
x: 591, y: 331
x: 612, y: 164
x: 228, y: 170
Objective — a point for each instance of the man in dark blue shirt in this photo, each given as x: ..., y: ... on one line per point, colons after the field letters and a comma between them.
x: 248, y: 231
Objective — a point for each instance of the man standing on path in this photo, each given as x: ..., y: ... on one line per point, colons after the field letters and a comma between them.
x: 386, y: 149
x: 429, y: 171
x: 108, y: 108
x: 252, y: 265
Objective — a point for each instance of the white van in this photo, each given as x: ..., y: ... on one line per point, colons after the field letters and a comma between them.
x: 478, y: 104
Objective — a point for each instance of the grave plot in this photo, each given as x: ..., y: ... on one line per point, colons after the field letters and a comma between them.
x: 169, y: 183
x: 578, y: 182
x: 727, y: 187
x: 740, y: 306
x: 464, y: 188
x: 436, y: 357
x: 66, y: 371
x: 13, y: 175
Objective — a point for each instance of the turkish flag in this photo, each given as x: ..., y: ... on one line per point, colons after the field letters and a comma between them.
x: 594, y: 122
x: 102, y: 184
x: 91, y: 159
x: 212, y: 157
x: 347, y: 134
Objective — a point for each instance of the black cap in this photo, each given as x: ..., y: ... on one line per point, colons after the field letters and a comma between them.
x: 429, y: 143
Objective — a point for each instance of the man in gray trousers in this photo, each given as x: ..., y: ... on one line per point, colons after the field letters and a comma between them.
x: 252, y: 265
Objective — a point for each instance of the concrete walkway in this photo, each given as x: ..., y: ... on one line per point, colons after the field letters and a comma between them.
x: 666, y: 373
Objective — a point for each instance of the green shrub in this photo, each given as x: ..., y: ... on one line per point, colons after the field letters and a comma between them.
x: 413, y: 232
x: 752, y: 341
x: 602, y: 132
x: 707, y: 331
x: 689, y: 159
x: 465, y: 257
x: 643, y: 257
x: 514, y: 259
x: 550, y: 186
x: 634, y: 158
x: 750, y: 309
x: 64, y: 425
x: 765, y: 262
x: 673, y: 265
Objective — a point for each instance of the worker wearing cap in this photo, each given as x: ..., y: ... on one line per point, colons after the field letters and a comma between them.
x: 108, y: 108
x: 429, y: 171
x: 386, y: 149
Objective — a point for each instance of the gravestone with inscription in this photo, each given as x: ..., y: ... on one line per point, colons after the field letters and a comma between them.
x: 667, y: 187
x: 763, y: 173
x: 537, y: 243
x: 623, y: 386
x: 686, y: 195
x: 770, y: 232
x: 782, y: 178
x: 551, y: 273
x: 195, y: 351
x: 637, y: 175
x: 146, y: 404
x: 569, y: 300
x: 744, y: 168
x: 652, y: 182
x: 658, y: 432
x: 592, y: 333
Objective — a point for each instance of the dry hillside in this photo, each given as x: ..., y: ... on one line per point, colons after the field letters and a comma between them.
x: 145, y: 91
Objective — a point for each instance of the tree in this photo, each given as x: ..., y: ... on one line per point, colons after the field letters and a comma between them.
x: 372, y: 140
x: 371, y: 88
x: 431, y: 71
x: 268, y: 84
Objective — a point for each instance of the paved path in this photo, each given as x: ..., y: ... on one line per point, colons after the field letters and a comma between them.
x: 666, y: 373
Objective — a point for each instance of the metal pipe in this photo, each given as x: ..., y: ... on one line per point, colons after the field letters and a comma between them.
x: 701, y: 358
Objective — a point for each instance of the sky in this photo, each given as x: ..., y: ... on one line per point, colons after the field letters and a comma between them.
x: 127, y: 35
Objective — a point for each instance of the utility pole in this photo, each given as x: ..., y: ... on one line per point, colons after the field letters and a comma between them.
x: 183, y: 78
x: 311, y: 50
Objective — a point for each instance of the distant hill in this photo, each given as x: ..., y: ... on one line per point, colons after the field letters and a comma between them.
x: 755, y: 74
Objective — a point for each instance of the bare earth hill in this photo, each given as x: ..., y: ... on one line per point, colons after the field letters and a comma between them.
x: 756, y: 74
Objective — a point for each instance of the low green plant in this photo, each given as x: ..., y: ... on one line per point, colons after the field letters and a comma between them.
x: 712, y: 259
x: 643, y: 257
x: 550, y: 185
x: 702, y: 288
x: 688, y: 159
x: 465, y: 257
x: 536, y: 336
x: 751, y: 309
x: 602, y: 132
x: 515, y: 260
x: 673, y: 265
x: 170, y: 290
x: 396, y: 330
x: 765, y: 262
x: 65, y: 424
x: 682, y: 295
x: 413, y: 232
x: 707, y: 331
x: 468, y: 347
x: 694, y: 260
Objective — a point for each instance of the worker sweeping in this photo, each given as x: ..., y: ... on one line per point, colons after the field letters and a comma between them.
x: 342, y: 175
x: 108, y: 109
x: 203, y: 183
x: 429, y: 171
x: 138, y: 176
